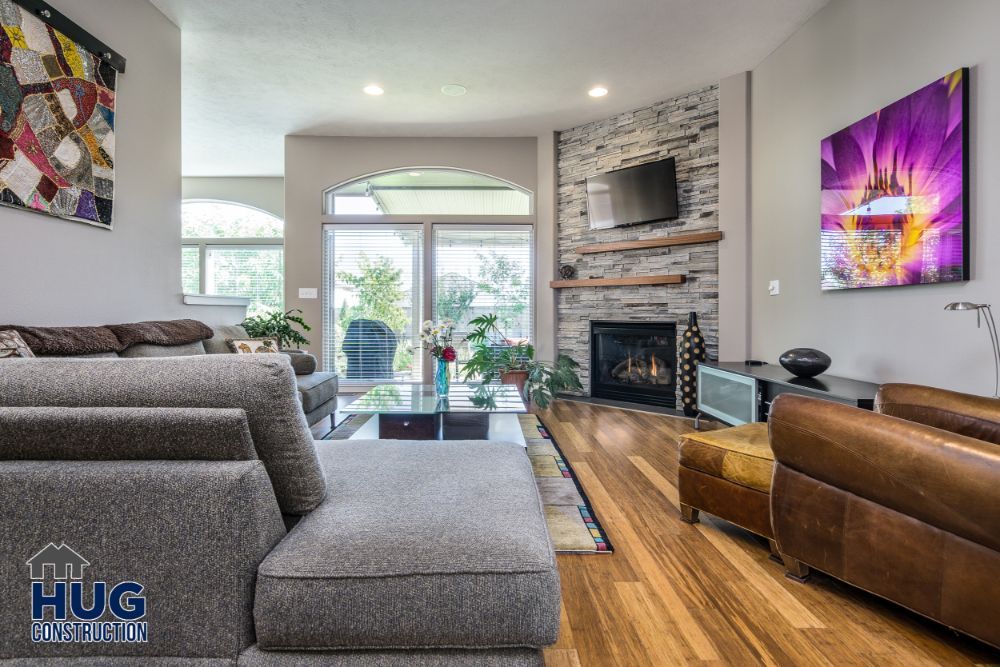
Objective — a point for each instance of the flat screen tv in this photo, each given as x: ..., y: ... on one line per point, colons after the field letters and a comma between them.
x: 894, y: 194
x: 630, y: 196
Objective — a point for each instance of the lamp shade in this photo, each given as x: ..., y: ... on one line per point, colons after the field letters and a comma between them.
x: 963, y: 305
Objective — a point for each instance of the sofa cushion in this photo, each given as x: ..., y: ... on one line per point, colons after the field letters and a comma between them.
x: 262, y: 384
x: 418, y: 544
x: 504, y: 657
x: 140, y: 350
x: 121, y: 434
x: 217, y: 343
x: 741, y: 455
x: 316, y: 389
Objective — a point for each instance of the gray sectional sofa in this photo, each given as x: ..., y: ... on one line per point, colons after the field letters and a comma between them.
x: 197, y: 478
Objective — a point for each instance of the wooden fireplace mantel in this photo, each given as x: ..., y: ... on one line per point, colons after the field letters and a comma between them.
x: 619, y: 282
x: 678, y: 239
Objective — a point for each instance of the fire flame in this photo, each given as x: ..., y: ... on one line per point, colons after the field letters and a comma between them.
x: 652, y: 357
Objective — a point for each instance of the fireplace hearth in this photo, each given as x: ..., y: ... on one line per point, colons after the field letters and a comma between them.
x: 634, y: 361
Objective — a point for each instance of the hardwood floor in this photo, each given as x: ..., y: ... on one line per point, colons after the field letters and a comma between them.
x: 674, y: 593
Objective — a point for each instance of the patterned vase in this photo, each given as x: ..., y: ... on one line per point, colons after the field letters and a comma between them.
x: 690, y: 351
x: 442, y: 379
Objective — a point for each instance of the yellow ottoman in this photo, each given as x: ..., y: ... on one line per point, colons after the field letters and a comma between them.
x: 727, y: 473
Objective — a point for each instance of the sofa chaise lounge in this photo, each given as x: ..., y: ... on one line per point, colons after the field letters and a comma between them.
x: 197, y: 478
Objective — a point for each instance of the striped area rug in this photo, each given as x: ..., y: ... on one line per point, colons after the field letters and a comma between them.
x: 573, y: 526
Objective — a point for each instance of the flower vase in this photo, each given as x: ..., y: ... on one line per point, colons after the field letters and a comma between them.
x: 442, y: 378
x: 690, y: 352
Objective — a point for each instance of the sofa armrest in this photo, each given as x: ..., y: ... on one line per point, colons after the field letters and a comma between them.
x: 119, y: 434
x: 974, y: 416
x: 191, y: 533
x: 949, y: 481
x: 303, y: 363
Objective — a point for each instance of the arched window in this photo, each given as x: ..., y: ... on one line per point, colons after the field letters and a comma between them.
x: 417, y: 243
x: 231, y: 249
x: 428, y: 191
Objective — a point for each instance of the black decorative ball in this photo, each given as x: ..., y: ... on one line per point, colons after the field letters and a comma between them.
x: 805, y: 362
x: 567, y: 271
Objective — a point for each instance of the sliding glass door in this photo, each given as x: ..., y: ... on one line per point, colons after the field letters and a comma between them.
x: 481, y: 269
x: 374, y: 277
x: 379, y: 289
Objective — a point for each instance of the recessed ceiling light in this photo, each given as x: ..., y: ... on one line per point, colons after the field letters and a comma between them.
x: 454, y: 89
x: 415, y: 173
x: 598, y: 91
x: 373, y: 89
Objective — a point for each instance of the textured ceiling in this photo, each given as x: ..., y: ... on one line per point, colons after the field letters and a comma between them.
x: 256, y: 70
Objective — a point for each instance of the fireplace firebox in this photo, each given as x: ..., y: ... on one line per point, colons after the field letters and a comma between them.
x: 634, y: 361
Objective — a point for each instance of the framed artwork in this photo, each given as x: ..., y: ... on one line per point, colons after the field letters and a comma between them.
x: 57, y: 120
x: 895, y: 192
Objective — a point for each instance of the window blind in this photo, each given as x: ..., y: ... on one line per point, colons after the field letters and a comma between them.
x: 488, y: 269
x: 255, y: 272
x: 373, y: 307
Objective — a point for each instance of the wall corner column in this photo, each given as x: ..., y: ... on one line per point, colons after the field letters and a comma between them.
x: 734, y: 218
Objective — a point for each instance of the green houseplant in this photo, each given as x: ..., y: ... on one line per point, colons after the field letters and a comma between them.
x: 494, y: 357
x: 278, y: 325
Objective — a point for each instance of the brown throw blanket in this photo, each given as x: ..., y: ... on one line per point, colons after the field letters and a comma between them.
x: 71, y: 341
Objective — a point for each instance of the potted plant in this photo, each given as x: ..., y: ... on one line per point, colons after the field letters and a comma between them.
x: 494, y: 356
x: 280, y: 326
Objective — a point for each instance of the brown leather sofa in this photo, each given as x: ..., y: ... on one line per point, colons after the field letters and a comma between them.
x: 903, y: 502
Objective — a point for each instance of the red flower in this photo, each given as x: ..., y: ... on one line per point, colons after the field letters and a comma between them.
x: 449, y: 354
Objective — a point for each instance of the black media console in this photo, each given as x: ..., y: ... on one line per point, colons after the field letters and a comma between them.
x: 737, y: 393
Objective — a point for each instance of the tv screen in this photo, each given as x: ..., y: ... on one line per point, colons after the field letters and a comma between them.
x: 644, y: 193
x: 894, y: 192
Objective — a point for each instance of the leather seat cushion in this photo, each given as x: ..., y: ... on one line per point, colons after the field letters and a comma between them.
x: 741, y: 455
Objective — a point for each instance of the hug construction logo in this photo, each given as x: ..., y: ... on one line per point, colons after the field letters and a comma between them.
x: 81, y: 613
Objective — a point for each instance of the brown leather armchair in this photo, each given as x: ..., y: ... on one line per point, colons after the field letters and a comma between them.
x: 903, y: 502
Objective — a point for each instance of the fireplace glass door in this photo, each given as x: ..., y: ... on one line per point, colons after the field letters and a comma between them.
x: 634, y: 361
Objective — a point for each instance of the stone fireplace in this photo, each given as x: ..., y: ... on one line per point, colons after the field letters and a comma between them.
x: 634, y: 362
x: 685, y: 128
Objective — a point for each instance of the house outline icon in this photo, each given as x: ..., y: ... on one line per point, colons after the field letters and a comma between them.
x: 62, y: 559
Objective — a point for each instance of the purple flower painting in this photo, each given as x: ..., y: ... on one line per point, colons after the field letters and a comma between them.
x: 894, y: 208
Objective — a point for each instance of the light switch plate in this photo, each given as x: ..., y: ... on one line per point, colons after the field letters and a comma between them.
x: 308, y: 293
x: 774, y: 287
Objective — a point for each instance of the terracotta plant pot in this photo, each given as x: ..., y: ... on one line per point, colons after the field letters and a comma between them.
x: 518, y: 378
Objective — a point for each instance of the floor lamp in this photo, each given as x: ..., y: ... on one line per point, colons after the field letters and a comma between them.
x: 992, y: 326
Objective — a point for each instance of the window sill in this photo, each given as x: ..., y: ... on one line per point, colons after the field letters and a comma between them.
x: 215, y: 300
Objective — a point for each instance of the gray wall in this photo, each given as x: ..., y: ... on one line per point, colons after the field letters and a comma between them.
x: 264, y: 192
x: 313, y: 164
x: 734, y: 217
x: 687, y: 128
x: 851, y: 58
x: 55, y: 272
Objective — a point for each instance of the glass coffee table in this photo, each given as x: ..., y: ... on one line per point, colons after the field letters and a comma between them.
x: 414, y: 412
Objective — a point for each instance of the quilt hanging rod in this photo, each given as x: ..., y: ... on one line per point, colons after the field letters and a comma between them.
x: 60, y: 22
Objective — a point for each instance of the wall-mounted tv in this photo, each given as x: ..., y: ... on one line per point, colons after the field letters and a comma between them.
x: 895, y: 193
x: 630, y: 196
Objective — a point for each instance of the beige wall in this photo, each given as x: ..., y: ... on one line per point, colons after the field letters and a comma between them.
x: 734, y: 217
x: 264, y: 192
x: 313, y: 164
x: 56, y: 272
x: 851, y: 58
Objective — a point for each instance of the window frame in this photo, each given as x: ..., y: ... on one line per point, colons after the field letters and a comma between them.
x: 202, y: 244
x: 329, y: 194
x: 427, y: 223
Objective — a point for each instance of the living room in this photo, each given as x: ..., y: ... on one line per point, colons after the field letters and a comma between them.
x: 573, y: 334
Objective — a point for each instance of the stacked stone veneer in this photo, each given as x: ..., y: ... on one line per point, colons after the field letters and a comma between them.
x: 686, y: 128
